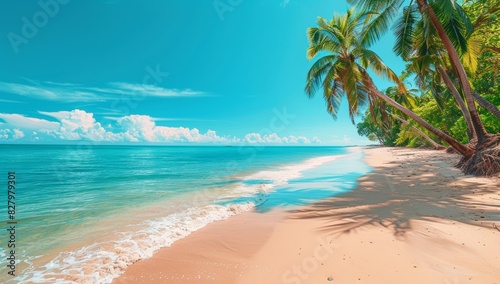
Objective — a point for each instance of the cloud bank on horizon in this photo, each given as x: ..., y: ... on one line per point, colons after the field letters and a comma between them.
x: 79, y: 125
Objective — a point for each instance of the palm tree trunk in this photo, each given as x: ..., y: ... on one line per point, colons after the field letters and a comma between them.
x: 487, y: 105
x: 462, y: 149
x: 447, y: 81
x: 458, y: 68
x: 421, y: 133
x: 380, y: 140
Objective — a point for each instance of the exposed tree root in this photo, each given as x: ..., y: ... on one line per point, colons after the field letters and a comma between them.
x: 486, y: 159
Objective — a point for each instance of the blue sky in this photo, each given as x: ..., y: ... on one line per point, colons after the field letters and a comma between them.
x: 177, y: 71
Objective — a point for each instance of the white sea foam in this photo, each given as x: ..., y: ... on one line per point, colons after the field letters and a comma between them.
x: 103, y: 261
x: 284, y: 174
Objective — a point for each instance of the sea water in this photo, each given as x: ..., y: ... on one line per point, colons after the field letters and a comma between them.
x: 86, y: 213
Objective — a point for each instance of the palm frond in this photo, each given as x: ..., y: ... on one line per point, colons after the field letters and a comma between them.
x: 379, y: 23
x: 350, y: 78
x: 333, y: 90
x: 403, y: 29
x: 462, y: 15
x: 323, y: 44
x: 456, y: 25
x: 470, y: 58
x: 317, y: 72
x: 370, y: 59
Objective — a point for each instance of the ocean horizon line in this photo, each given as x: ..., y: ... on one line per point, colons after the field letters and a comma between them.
x: 90, y: 144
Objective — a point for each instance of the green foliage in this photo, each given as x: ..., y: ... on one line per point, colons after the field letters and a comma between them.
x: 385, y: 136
x: 407, y: 138
x: 459, y: 129
x: 474, y: 28
x: 448, y: 118
x: 491, y: 123
x: 414, y: 143
x: 485, y: 17
x: 343, y: 70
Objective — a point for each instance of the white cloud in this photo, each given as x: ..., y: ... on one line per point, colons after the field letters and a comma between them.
x: 152, y: 90
x: 81, y: 125
x: 67, y: 92
x: 115, y: 118
x: 253, y: 138
x: 58, y: 115
x: 8, y: 101
x: 138, y: 127
x: 272, y: 138
x: 256, y: 138
x: 20, y: 121
x: 291, y: 140
x: 316, y: 140
x: 78, y: 124
x: 143, y: 128
x: 6, y: 134
x: 18, y: 134
x: 72, y: 125
x: 296, y: 140
x: 50, y: 92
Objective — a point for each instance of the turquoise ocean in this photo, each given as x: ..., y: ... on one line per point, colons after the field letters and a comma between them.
x: 85, y: 213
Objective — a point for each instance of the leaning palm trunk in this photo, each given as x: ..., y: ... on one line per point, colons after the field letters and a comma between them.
x: 436, y: 145
x: 462, y: 149
x: 487, y: 105
x: 447, y: 81
x: 340, y: 74
x: 458, y: 68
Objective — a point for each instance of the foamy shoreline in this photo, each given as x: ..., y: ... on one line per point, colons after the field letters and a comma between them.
x: 102, y: 261
x: 415, y: 219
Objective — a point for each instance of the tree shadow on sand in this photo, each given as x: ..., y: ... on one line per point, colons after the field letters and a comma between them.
x: 411, y: 188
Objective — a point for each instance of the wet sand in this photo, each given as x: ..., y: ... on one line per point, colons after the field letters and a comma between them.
x: 414, y: 219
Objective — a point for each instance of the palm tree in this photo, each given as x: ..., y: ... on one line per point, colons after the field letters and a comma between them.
x: 436, y: 145
x: 452, y: 34
x: 343, y: 70
x: 427, y: 58
x: 382, y: 115
x: 487, y: 105
x: 430, y: 66
x: 471, y: 134
x: 408, y: 100
x: 484, y: 24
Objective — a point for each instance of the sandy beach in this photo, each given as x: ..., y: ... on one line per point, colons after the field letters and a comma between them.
x: 414, y: 219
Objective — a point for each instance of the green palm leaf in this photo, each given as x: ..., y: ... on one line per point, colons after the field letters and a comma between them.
x: 317, y: 72
x: 375, y: 28
x: 403, y: 29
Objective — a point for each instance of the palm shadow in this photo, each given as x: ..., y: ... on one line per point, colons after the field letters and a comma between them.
x: 401, y: 194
